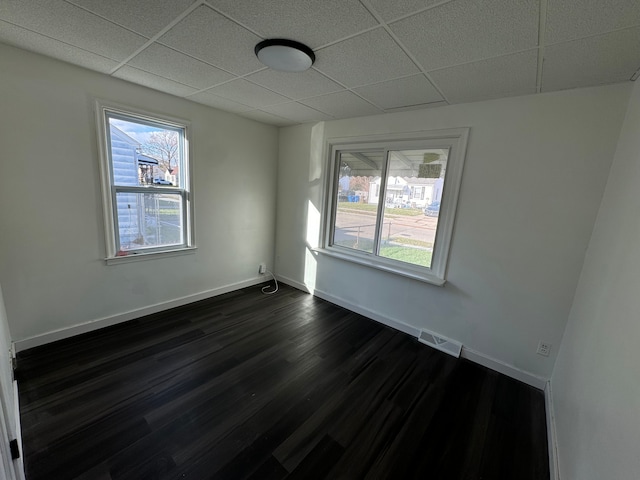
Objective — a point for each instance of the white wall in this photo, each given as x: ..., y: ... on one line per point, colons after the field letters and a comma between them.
x: 51, y: 222
x: 535, y: 172
x: 596, y: 380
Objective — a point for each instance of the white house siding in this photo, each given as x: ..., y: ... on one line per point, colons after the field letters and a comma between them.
x: 125, y: 172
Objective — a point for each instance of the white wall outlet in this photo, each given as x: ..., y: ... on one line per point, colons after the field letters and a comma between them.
x: 544, y: 349
x: 262, y: 268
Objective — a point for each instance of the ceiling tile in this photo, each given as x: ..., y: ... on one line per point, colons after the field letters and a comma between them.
x: 468, y: 30
x: 311, y: 22
x: 391, y: 10
x: 153, y: 81
x: 569, y: 20
x: 247, y: 93
x: 368, y: 58
x: 297, y: 112
x: 268, y: 118
x: 341, y: 105
x: 401, y: 92
x: 608, y: 58
x: 146, y: 17
x: 295, y: 85
x: 179, y: 67
x: 208, y: 98
x: 504, y: 76
x: 28, y: 40
x: 65, y: 22
x: 209, y: 36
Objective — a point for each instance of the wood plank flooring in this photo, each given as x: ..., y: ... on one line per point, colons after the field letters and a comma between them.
x: 248, y: 386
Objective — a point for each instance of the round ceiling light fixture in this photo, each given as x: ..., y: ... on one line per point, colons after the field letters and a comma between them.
x: 285, y: 55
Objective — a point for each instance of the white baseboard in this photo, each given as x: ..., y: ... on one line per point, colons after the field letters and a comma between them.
x: 552, y: 439
x: 509, y: 370
x: 403, y: 327
x: 99, y: 323
x: 472, y: 355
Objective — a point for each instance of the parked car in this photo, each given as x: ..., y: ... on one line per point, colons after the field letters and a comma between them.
x: 160, y: 181
x: 432, y: 210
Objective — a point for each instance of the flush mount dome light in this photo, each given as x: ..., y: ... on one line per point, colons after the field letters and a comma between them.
x: 285, y: 55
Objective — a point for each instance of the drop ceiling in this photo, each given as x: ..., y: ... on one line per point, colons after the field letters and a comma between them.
x: 372, y: 56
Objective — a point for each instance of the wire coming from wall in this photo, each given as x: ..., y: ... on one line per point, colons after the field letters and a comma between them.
x: 270, y: 292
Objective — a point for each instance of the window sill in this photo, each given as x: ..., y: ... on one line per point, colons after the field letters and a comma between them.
x: 137, y: 257
x: 380, y: 264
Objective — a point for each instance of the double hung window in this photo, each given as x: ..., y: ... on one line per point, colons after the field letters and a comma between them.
x: 146, y: 183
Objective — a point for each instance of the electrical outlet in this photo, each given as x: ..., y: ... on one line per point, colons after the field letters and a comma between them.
x: 544, y: 349
x: 262, y: 268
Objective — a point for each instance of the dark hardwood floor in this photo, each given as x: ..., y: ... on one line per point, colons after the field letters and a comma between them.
x: 248, y: 386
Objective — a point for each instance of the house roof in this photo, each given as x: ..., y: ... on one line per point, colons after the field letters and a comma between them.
x: 372, y: 56
x: 123, y: 136
x: 145, y: 159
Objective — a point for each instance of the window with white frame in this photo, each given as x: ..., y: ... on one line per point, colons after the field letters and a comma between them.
x: 146, y: 183
x: 403, y: 222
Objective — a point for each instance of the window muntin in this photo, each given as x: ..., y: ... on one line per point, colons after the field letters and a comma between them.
x: 146, y: 183
x: 404, y: 222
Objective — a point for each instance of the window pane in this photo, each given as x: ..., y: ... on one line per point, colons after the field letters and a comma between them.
x: 144, y: 153
x: 410, y: 220
x: 357, y: 200
x: 147, y: 220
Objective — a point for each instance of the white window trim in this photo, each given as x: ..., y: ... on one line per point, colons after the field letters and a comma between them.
x: 454, y: 139
x: 108, y: 197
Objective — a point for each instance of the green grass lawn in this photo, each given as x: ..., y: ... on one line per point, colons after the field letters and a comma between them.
x: 415, y: 256
x: 407, y: 254
x: 371, y: 208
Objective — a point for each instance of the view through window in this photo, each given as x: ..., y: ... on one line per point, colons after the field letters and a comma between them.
x: 388, y: 202
x: 148, y: 183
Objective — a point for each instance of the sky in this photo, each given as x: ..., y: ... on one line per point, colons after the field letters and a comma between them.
x: 135, y: 130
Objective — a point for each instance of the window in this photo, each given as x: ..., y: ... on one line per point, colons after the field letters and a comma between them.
x: 146, y: 184
x: 391, y: 202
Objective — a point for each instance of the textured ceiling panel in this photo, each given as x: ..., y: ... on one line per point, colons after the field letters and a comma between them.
x: 22, y: 38
x: 153, y: 81
x: 247, y: 93
x: 207, y: 98
x: 569, y: 20
x: 146, y: 17
x: 265, y: 117
x: 295, y: 85
x: 468, y: 30
x: 470, y: 49
x: 403, y: 92
x: 214, y: 39
x: 392, y: 10
x: 65, y: 22
x: 609, y: 58
x: 297, y: 112
x: 341, y: 105
x: 505, y: 76
x: 368, y: 58
x: 300, y: 19
x: 179, y: 67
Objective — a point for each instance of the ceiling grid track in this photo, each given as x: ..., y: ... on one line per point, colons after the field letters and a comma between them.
x: 542, y: 27
x: 406, y: 51
x: 153, y: 39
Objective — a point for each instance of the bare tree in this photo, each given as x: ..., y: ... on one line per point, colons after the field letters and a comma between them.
x: 163, y: 146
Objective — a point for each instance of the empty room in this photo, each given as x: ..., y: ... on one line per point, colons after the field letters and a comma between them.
x: 319, y: 239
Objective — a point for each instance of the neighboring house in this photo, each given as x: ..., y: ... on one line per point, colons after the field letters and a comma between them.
x: 412, y: 191
x: 172, y: 175
x: 130, y: 168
